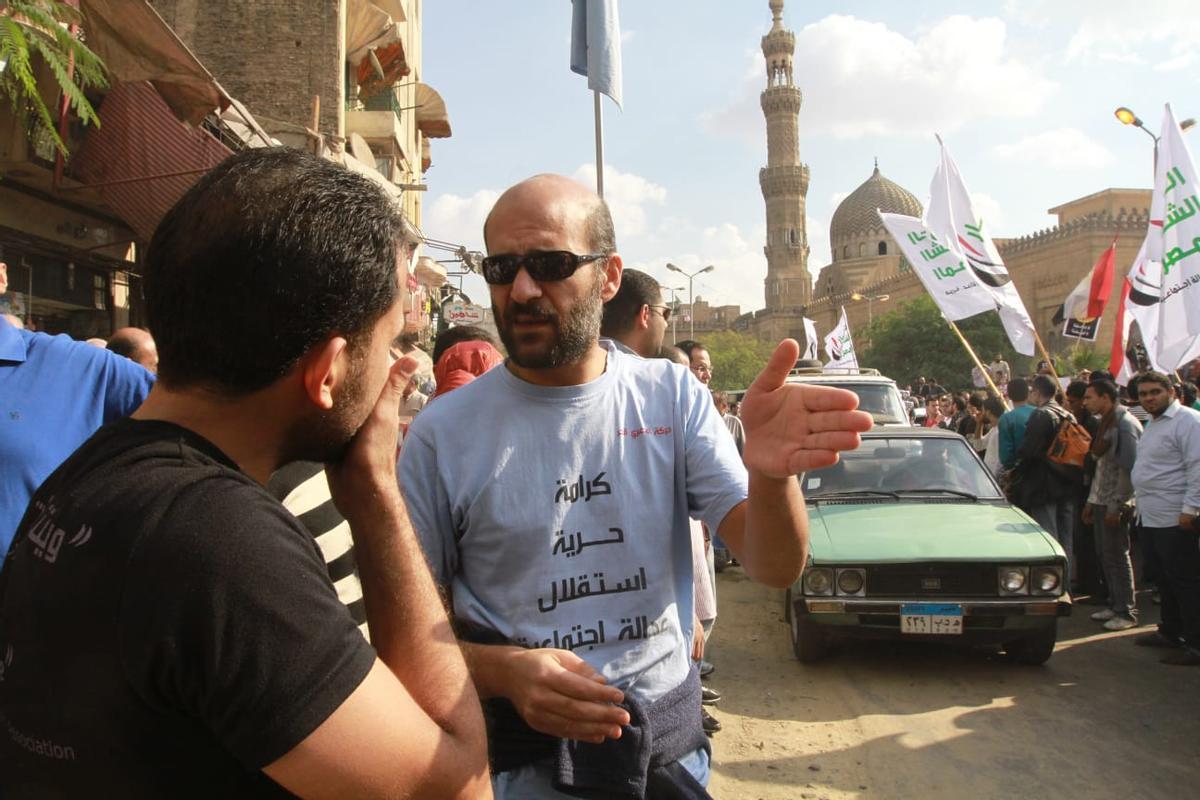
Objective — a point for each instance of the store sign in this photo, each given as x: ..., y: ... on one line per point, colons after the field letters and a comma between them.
x: 462, y: 313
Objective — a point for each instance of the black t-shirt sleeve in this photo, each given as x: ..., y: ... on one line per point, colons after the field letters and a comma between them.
x: 228, y: 616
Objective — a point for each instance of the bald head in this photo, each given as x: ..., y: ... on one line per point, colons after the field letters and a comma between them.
x: 137, y: 345
x: 560, y: 201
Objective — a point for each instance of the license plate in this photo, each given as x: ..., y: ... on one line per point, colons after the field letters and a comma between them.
x: 936, y: 619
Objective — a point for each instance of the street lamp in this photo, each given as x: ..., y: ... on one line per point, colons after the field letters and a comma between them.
x: 691, y: 276
x: 1127, y: 117
x: 674, y: 307
x: 870, y: 298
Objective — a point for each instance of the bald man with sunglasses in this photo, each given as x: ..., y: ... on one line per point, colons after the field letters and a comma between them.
x: 552, y: 498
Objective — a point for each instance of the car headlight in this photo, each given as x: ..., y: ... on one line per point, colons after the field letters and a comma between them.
x: 851, y: 581
x: 1014, y: 580
x: 1046, y: 580
x: 818, y: 581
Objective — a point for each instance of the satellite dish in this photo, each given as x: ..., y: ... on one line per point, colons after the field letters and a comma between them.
x: 361, y: 150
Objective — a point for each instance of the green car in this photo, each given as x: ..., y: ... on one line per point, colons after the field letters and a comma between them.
x: 911, y: 538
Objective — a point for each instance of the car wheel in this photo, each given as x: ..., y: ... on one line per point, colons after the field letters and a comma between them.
x: 808, y: 642
x: 787, y: 606
x: 1035, y: 649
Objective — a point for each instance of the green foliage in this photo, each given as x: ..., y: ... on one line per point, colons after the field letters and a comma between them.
x: 1076, y: 359
x: 737, y: 358
x: 33, y: 29
x: 914, y: 340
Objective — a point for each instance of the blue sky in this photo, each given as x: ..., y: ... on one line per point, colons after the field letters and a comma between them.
x: 1022, y: 91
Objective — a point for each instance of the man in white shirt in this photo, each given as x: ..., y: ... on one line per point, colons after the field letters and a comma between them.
x: 1166, y: 480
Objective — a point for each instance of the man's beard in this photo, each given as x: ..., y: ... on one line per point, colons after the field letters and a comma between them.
x: 573, y: 334
x: 324, y: 435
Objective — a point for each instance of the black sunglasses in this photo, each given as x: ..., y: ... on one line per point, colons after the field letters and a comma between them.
x: 664, y: 312
x: 542, y: 265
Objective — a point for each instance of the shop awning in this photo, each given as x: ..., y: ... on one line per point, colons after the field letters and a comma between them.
x: 430, y: 273
x: 141, y: 158
x: 432, y: 118
x: 137, y: 45
x: 374, y: 46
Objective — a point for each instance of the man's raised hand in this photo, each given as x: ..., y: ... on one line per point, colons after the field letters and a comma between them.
x: 792, y: 427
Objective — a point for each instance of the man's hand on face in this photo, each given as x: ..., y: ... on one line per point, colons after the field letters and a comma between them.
x: 795, y: 427
x: 558, y: 693
x: 1188, y: 522
x: 368, y: 469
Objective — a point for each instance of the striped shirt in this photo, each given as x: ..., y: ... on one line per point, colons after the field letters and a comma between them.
x: 302, y: 488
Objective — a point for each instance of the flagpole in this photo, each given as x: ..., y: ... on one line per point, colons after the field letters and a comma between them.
x: 1045, y: 355
x: 986, y: 375
x: 599, y: 144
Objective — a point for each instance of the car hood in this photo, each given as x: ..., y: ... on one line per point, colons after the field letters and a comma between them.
x: 907, y: 530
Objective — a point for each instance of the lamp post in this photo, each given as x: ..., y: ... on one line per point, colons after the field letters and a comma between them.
x: 674, y: 308
x: 1127, y: 117
x: 871, y: 298
x: 691, y: 276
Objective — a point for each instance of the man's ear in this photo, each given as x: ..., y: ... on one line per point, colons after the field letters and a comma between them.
x: 613, y: 267
x: 322, y: 368
x: 643, y: 318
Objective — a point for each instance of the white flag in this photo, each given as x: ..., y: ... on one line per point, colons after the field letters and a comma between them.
x: 810, y: 339
x: 951, y: 216
x: 1141, y: 297
x: 596, y: 45
x: 839, y: 346
x: 943, y: 271
x: 1177, y: 199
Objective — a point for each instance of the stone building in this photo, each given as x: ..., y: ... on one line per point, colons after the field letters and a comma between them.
x: 869, y: 276
x: 784, y: 183
x: 338, y: 77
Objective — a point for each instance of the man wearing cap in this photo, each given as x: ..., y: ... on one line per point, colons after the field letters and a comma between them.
x: 552, y: 497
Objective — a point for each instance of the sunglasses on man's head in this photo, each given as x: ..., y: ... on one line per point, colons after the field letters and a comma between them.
x: 542, y: 265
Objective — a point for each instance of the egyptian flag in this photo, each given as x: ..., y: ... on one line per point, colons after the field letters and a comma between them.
x: 1083, y: 307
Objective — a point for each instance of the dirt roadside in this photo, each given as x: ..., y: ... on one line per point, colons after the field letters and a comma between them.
x: 1102, y: 719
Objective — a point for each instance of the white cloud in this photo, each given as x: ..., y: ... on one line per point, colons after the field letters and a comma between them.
x: 861, y: 78
x: 628, y: 197
x: 989, y: 210
x: 456, y: 219
x: 1158, y: 32
x: 1062, y: 148
x: 1178, y: 62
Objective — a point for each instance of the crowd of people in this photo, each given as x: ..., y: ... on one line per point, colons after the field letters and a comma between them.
x: 234, y: 577
x: 1112, y: 472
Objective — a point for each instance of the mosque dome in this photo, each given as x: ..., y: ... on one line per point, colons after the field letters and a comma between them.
x: 855, y: 216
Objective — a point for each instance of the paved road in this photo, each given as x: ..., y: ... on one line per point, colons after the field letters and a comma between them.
x: 1102, y: 719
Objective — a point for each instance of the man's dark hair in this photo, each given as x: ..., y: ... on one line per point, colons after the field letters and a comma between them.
x: 960, y: 403
x: 461, y: 333
x: 1106, y: 388
x: 1100, y: 375
x: 689, y: 346
x: 1187, y: 393
x: 637, y: 289
x: 1155, y: 377
x: 994, y: 406
x: 975, y: 399
x: 1018, y: 390
x: 1045, y: 386
x: 266, y: 255
x: 124, y: 345
x: 1076, y: 389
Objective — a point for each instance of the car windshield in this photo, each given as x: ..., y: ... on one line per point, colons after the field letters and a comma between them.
x: 906, y: 467
x: 880, y: 400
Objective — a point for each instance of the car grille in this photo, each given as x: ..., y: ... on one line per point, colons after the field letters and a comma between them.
x: 932, y: 580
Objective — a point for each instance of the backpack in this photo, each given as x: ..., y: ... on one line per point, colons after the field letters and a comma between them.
x: 1071, y: 444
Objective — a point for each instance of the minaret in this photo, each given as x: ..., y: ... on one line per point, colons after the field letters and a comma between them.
x: 784, y: 180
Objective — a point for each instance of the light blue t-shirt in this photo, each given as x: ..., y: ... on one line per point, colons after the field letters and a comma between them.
x: 558, y: 516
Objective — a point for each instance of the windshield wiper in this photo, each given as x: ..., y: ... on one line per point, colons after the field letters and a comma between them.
x: 956, y: 492
x: 854, y: 493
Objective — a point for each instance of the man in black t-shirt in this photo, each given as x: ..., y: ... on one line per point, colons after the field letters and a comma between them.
x: 167, y: 628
